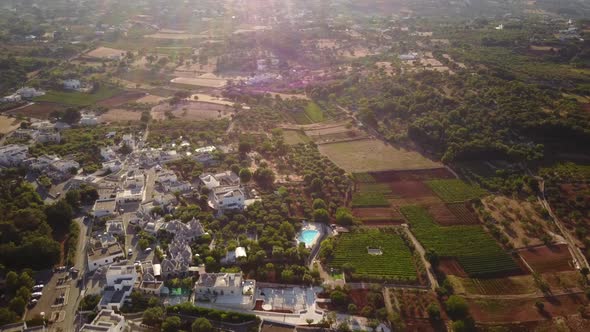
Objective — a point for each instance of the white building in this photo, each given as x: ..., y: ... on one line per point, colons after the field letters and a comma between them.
x: 100, y: 255
x: 88, y: 119
x: 212, y: 181
x: 113, y: 166
x: 105, y: 321
x: 107, y: 153
x: 72, y: 84
x: 120, y: 280
x: 11, y: 99
x: 65, y: 166
x: 133, y: 187
x: 176, y: 186
x: 104, y: 207
x: 13, y: 154
x: 167, y: 175
x: 411, y: 56
x: 128, y: 141
x: 226, y: 289
x: 28, y: 93
x: 227, y: 198
x: 47, y: 136
x: 205, y: 149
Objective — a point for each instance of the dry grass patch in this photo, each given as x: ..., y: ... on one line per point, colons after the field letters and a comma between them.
x: 367, y: 155
x: 105, y: 53
x: 8, y: 124
x: 120, y: 115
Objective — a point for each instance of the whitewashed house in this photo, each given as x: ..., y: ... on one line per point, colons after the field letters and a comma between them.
x: 13, y: 154
x: 105, y: 321
x: 72, y: 84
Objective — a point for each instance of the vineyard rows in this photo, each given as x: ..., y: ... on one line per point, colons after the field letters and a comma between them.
x: 474, y: 249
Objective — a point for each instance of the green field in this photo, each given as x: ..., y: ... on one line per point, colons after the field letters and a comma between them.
x: 382, y: 188
x: 300, y: 118
x: 476, y: 251
x: 314, y: 112
x: 293, y: 137
x: 363, y: 177
x: 369, y: 199
x: 395, y: 263
x: 454, y: 190
x: 78, y: 98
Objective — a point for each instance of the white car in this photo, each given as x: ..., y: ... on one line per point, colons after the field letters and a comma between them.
x: 148, y: 249
x: 36, y: 295
x: 38, y: 287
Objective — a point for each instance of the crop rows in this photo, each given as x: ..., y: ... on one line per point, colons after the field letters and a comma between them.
x: 395, y: 263
x: 475, y: 250
x: 372, y: 199
x: 454, y: 190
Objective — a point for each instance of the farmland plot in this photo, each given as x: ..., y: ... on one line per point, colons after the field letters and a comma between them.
x: 454, y: 190
x: 394, y: 264
x: 474, y: 249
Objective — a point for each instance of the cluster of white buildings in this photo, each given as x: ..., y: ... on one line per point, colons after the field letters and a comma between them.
x: 14, y: 155
x: 226, y: 193
x: 22, y: 93
x: 170, y: 183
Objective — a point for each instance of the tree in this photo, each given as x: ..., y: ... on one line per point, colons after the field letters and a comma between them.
x: 316, y: 185
x: 338, y: 297
x: 309, y: 321
x: 201, y: 324
x: 432, y: 257
x: 153, y: 316
x: 321, y: 215
x: 143, y: 243
x: 245, y: 175
x: 319, y: 203
x: 352, y: 308
x: 433, y: 311
x: 59, y: 215
x: 171, y: 324
x: 73, y: 198
x: 244, y: 147
x: 71, y: 116
x: 459, y: 326
x: 456, y: 307
x: 17, y: 305
x: 344, y: 217
x: 540, y: 306
x: 7, y: 316
x: 265, y: 177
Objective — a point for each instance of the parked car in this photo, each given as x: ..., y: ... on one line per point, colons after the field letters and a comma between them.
x: 37, y: 288
x: 148, y: 249
x: 36, y: 295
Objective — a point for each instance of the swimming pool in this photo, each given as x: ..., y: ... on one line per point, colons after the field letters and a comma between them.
x: 308, y: 236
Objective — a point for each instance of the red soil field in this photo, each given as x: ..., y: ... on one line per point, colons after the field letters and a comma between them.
x: 359, y: 297
x: 410, y: 189
x: 543, y: 259
x: 442, y: 215
x: 38, y: 110
x: 416, y: 175
x: 523, y: 310
x: 464, y: 213
x: 121, y: 99
x: 452, y: 267
x: 382, y: 223
x: 377, y: 213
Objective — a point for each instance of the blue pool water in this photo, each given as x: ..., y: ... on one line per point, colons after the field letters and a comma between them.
x: 307, y: 236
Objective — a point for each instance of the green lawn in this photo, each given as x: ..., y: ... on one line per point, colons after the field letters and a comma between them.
x: 314, y: 112
x: 454, y: 190
x: 394, y: 264
x: 477, y: 252
x: 78, y: 98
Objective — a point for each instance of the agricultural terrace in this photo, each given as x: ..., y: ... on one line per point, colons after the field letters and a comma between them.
x: 163, y: 132
x: 455, y: 190
x: 293, y: 137
x: 395, y: 263
x: 475, y: 250
x: 371, y: 195
x: 367, y: 155
x: 79, y: 98
x: 314, y: 112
